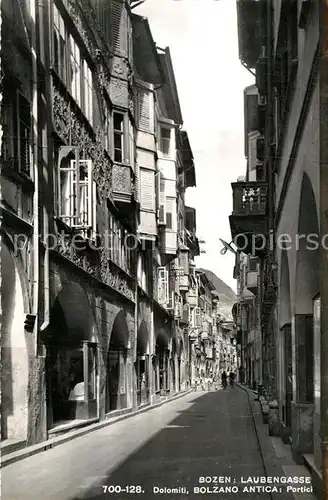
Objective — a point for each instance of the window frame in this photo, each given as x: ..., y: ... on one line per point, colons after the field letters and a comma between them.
x: 81, y: 87
x: 70, y: 171
x: 162, y: 138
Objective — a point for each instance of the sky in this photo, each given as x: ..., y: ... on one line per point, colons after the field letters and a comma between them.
x: 202, y: 37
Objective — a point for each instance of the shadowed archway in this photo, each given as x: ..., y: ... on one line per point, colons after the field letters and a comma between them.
x: 14, y: 356
x: 142, y: 364
x: 306, y: 288
x: 285, y: 344
x: 71, y: 357
x: 161, y: 363
x: 116, y: 393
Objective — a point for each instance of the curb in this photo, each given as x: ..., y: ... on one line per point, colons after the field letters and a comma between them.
x: 29, y: 451
x: 272, y: 466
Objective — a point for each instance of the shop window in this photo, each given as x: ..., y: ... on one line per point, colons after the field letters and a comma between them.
x: 73, y: 379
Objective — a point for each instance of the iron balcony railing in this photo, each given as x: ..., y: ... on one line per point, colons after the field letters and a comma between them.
x: 249, y: 198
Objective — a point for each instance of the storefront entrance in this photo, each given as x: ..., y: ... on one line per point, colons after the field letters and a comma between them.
x: 72, y: 359
x: 116, y: 385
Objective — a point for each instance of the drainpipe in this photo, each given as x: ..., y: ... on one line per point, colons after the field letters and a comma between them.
x: 44, y: 54
x: 35, y: 142
x: 270, y: 173
x: 323, y: 107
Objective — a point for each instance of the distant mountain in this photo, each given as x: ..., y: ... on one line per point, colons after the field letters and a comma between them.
x: 227, y: 297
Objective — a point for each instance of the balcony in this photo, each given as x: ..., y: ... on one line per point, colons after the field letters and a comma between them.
x: 252, y: 281
x: 122, y: 184
x: 249, y: 210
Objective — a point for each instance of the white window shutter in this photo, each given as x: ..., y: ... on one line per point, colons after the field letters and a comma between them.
x: 161, y: 199
x: 119, y: 26
x: 90, y: 195
x: 144, y: 110
x: 147, y: 190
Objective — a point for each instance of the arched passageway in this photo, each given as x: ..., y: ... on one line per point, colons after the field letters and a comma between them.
x: 161, y: 364
x: 173, y: 364
x: 285, y: 347
x: 306, y: 288
x: 142, y: 364
x: 71, y: 358
x: 181, y: 367
x: 117, y: 385
x: 14, y: 357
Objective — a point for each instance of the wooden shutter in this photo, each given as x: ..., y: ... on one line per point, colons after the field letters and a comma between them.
x: 197, y: 317
x: 144, y: 110
x: 118, y: 26
x: 163, y: 285
x: 147, y: 190
x: 171, y: 213
x: 68, y: 175
x: 161, y: 199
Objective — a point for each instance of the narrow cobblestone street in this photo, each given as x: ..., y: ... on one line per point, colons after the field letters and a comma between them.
x: 200, y: 434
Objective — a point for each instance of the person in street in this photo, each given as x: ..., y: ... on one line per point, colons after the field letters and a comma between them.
x: 224, y: 379
x: 231, y: 378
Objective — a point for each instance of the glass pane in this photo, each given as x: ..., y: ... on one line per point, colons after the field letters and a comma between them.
x: 91, y: 372
x: 70, y: 368
x: 118, y: 122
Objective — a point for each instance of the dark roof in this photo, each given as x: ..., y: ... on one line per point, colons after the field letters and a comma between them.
x: 188, y: 160
x: 250, y: 18
x: 146, y: 59
x: 170, y: 91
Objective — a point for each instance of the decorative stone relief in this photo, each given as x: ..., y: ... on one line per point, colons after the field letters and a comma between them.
x: 105, y: 271
x: 73, y: 131
x: 118, y: 92
x: 115, y: 278
x: 122, y: 179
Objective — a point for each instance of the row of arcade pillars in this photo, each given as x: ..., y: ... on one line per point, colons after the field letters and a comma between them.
x: 299, y: 335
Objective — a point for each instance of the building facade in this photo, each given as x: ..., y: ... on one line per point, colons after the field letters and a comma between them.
x: 277, y: 219
x: 97, y: 243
